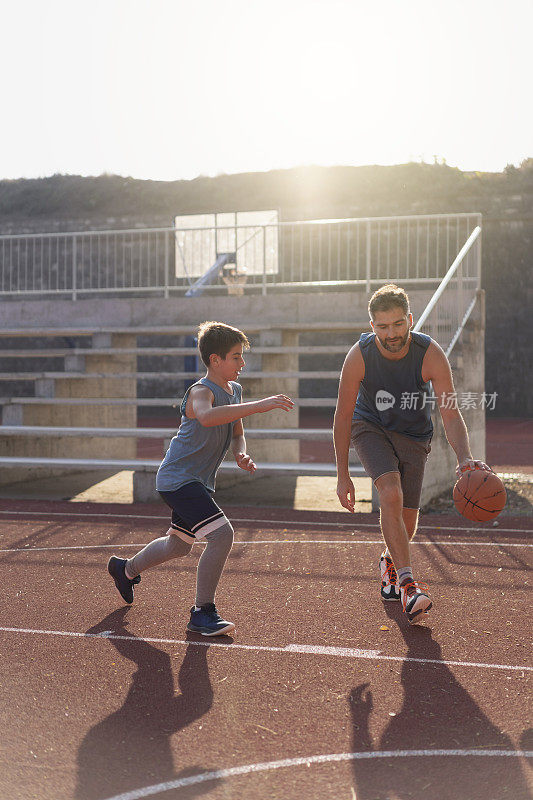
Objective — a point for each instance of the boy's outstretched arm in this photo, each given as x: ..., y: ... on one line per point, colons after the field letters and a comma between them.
x: 200, y: 407
x: 238, y: 448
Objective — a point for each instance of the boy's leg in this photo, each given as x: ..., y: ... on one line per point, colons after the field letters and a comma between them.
x: 211, y: 564
x: 195, y: 513
x: 126, y: 572
x: 205, y: 618
x: 157, y: 552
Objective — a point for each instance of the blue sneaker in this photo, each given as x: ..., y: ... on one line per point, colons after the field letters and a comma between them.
x: 208, y: 621
x: 116, y: 568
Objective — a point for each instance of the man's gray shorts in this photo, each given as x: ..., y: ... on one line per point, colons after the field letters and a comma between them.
x: 381, y: 451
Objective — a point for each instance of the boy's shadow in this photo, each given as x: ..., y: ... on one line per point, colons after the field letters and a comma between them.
x: 130, y: 748
x: 437, y: 714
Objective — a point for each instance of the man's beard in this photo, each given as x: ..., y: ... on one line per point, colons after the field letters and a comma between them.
x: 395, y: 347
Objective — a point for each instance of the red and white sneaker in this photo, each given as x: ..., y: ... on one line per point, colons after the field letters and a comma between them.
x: 389, y: 579
x: 415, y: 600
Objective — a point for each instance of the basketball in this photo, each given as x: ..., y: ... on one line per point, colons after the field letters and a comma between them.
x: 479, y: 495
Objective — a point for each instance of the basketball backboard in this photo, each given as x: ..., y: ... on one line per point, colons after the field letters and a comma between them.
x: 251, y: 235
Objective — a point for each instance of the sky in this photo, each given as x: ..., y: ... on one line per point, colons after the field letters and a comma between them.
x: 168, y: 89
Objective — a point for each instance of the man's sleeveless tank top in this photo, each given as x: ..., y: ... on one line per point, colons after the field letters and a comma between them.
x: 392, y: 393
x: 196, y: 452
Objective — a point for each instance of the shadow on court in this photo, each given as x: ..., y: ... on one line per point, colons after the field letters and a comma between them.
x: 131, y: 748
x: 437, y: 714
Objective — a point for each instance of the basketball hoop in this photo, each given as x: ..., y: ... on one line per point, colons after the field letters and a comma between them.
x: 235, y: 279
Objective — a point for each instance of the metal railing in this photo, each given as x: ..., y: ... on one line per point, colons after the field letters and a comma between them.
x: 448, y: 311
x: 317, y: 253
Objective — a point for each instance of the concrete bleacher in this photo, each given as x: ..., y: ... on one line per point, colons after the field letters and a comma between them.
x: 90, y: 410
x: 80, y: 417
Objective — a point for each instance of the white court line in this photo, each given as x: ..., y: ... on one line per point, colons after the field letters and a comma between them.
x: 309, y: 649
x: 246, y: 769
x: 333, y: 542
x: 265, y: 521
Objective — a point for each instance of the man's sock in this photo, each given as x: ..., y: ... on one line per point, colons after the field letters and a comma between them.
x: 405, y: 575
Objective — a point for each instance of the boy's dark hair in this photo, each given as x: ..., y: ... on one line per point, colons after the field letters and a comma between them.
x: 218, y: 338
x: 388, y: 297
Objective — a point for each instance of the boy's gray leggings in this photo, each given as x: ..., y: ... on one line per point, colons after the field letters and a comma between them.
x: 210, y: 565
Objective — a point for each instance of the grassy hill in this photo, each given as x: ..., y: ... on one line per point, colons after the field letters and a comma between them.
x: 298, y: 193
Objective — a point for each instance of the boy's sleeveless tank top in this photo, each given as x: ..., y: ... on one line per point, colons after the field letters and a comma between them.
x: 196, y: 452
x: 392, y: 393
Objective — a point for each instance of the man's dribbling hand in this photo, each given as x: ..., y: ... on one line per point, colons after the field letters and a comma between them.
x: 470, y: 463
x: 245, y: 462
x: 276, y: 401
x: 346, y: 493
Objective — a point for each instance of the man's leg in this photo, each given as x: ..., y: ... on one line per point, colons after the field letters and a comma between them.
x: 410, y: 520
x: 398, y: 525
x: 390, y: 589
x: 393, y: 526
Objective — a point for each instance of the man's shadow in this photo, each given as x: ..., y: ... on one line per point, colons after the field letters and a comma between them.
x: 437, y: 714
x: 130, y: 748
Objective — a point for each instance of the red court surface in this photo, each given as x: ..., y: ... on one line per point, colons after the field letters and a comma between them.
x: 310, y: 698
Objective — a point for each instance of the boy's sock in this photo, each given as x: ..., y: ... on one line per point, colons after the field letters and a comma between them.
x: 211, y: 564
x: 405, y: 575
x: 157, y: 552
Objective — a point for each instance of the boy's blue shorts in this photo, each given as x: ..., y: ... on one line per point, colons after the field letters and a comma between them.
x: 194, y: 512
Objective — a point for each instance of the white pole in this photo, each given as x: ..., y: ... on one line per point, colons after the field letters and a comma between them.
x: 458, y: 259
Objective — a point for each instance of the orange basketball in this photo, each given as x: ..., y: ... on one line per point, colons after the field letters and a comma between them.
x: 479, y: 495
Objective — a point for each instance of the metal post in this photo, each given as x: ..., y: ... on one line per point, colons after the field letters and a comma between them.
x: 166, y: 291
x: 460, y: 294
x: 368, y: 252
x: 74, y: 269
x: 264, y: 289
x: 478, y: 265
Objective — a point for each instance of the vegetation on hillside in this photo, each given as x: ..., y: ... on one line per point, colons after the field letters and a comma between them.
x: 299, y: 192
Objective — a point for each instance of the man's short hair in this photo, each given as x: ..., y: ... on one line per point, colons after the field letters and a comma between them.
x: 218, y: 338
x: 388, y: 297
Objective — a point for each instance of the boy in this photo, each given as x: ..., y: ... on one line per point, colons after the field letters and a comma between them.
x: 393, y: 441
x: 211, y: 422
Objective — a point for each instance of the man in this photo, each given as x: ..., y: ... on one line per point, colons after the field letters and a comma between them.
x: 382, y: 408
